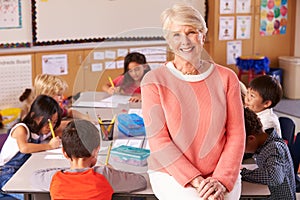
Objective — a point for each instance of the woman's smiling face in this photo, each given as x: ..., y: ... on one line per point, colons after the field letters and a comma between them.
x: 186, y: 41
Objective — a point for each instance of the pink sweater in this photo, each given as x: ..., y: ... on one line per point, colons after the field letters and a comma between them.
x: 194, y: 126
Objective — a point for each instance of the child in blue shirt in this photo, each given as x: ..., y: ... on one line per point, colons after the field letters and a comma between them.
x: 275, y: 165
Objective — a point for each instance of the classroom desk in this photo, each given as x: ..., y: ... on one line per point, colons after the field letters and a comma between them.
x: 20, y: 182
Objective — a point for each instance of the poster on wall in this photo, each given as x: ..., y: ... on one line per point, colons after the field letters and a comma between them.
x: 243, y: 6
x: 226, y: 29
x: 226, y: 6
x: 234, y: 50
x: 243, y: 27
x: 55, y: 64
x: 273, y: 17
x: 10, y: 14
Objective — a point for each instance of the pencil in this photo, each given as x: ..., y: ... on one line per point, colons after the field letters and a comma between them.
x: 111, y: 82
x: 108, y: 153
x: 111, y: 124
x: 51, y: 128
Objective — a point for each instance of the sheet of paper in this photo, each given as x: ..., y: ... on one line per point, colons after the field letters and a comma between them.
x: 135, y: 143
x: 58, y: 151
x: 137, y: 111
x: 117, y: 99
x: 54, y: 157
x: 98, y: 104
x: 120, y: 142
x: 55, y: 64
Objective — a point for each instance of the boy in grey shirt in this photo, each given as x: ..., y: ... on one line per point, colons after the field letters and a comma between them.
x: 81, y: 143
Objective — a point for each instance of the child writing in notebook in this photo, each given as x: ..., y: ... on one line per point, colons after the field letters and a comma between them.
x: 25, y: 137
x: 135, y: 67
x: 84, y: 180
x: 275, y: 165
x: 264, y: 92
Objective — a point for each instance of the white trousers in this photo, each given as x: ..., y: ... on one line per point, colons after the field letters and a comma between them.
x: 165, y: 187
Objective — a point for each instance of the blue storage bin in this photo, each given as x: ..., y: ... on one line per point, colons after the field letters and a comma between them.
x: 277, y: 72
x: 130, y: 155
x: 131, y: 124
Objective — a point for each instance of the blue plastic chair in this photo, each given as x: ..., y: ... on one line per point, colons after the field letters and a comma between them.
x: 287, y: 126
x: 295, y: 152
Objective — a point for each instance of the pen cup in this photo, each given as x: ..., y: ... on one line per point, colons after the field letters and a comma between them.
x: 107, y: 130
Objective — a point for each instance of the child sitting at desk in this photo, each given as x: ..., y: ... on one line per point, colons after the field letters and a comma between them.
x: 275, y: 165
x: 55, y: 87
x: 26, y: 98
x: 264, y: 92
x: 84, y: 180
x: 135, y: 67
x: 25, y: 137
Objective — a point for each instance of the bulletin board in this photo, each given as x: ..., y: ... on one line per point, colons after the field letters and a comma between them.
x: 69, y: 21
x: 21, y: 35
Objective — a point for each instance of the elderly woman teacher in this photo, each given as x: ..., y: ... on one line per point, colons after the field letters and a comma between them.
x: 193, y: 114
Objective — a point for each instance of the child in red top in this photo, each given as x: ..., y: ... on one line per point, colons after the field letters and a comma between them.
x: 128, y: 83
x: 81, y: 143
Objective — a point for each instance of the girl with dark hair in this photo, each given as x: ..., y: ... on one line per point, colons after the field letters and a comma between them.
x: 26, y: 137
x: 135, y: 67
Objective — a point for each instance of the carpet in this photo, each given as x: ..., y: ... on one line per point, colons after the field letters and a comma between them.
x: 289, y: 107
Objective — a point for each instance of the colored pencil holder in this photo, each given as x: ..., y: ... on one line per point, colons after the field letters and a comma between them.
x: 107, y: 130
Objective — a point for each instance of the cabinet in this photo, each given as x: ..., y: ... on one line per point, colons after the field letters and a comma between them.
x: 270, y: 46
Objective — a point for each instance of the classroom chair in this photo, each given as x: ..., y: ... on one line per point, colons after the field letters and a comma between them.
x: 3, y: 137
x: 252, y: 66
x: 287, y: 126
x: 295, y: 152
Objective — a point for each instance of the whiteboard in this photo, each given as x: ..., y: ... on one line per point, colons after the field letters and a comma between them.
x: 57, y: 21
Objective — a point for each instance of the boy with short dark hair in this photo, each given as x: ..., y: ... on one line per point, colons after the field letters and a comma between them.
x: 84, y: 180
x: 264, y: 92
x: 275, y: 165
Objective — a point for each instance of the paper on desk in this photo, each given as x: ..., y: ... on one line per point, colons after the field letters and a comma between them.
x: 117, y: 99
x: 54, y: 157
x: 138, y: 143
x: 135, y: 143
x: 137, y: 111
x: 96, y: 104
x: 59, y: 150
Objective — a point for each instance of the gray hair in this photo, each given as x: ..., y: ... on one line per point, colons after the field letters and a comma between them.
x: 182, y: 14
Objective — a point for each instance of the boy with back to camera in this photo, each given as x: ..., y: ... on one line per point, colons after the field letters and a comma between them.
x: 264, y: 92
x: 84, y: 180
x: 275, y: 165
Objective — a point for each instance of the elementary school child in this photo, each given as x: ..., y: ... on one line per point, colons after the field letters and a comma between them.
x: 55, y: 87
x: 275, y: 165
x: 24, y: 137
x: 264, y: 92
x: 84, y: 180
x: 26, y: 98
x: 135, y: 67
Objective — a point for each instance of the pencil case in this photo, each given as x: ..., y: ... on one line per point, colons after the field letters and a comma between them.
x: 131, y: 124
x: 130, y: 155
